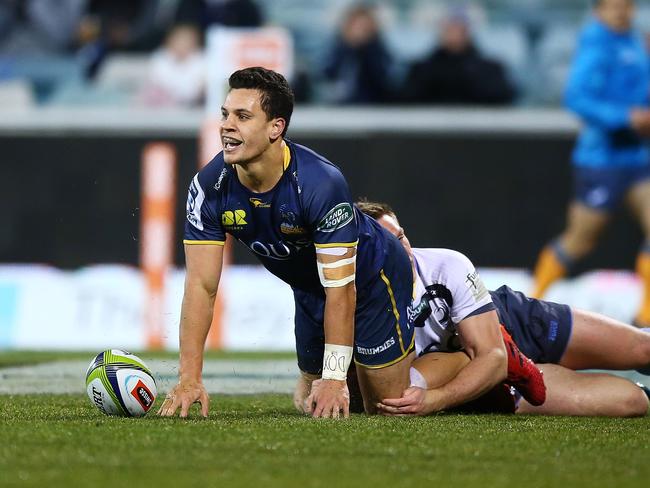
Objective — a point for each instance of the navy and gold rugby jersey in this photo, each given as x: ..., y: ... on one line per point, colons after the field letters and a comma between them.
x: 309, y: 207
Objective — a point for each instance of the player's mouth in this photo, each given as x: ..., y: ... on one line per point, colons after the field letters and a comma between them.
x: 230, y: 144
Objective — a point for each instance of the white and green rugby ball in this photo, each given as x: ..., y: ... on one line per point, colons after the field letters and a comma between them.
x: 120, y: 383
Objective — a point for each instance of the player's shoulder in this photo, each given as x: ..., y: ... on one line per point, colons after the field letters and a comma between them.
x: 311, y: 166
x: 442, y: 260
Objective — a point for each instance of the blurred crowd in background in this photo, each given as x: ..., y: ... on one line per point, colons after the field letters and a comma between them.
x: 151, y: 52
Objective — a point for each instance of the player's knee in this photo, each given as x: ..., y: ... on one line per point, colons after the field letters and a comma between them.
x: 635, y: 403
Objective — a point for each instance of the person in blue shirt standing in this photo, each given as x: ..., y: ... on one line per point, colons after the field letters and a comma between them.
x: 608, y: 89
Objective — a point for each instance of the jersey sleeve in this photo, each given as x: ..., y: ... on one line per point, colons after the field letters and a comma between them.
x: 329, y: 209
x: 202, y: 225
x: 470, y: 296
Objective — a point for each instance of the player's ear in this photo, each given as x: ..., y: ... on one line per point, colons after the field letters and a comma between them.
x: 277, y: 128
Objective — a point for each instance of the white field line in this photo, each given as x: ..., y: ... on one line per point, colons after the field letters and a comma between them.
x: 219, y: 376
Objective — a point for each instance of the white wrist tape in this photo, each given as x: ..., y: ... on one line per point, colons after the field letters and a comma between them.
x: 336, y: 362
x: 335, y: 283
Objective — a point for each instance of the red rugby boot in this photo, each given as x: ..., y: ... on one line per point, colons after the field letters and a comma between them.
x: 523, y: 373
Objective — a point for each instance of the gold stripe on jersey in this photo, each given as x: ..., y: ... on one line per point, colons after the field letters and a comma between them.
x: 287, y: 157
x: 208, y: 243
x: 336, y: 244
x: 394, y: 305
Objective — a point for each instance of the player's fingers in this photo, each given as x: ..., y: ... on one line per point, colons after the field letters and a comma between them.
x: 318, y: 409
x: 309, y: 404
x: 336, y: 410
x: 204, y: 400
x: 397, y: 402
x: 327, y: 412
x: 185, y: 406
x: 166, y: 403
x: 306, y: 409
x: 346, y: 410
x: 390, y: 409
x: 171, y: 409
x: 162, y: 407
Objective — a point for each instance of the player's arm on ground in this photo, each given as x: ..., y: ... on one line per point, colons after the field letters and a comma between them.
x: 330, y: 214
x: 337, y: 270
x: 204, y: 241
x: 204, y: 264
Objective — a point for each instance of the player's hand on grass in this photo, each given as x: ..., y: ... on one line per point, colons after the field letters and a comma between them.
x: 303, y: 388
x: 414, y: 401
x: 300, y: 394
x: 328, y: 398
x: 184, y: 395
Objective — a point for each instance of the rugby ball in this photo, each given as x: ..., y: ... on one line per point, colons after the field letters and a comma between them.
x: 120, y: 383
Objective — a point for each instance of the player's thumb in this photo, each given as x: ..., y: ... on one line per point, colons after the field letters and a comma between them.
x: 411, y: 391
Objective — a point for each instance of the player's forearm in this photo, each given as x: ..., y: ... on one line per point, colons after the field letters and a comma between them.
x: 340, y: 304
x: 478, y: 377
x: 196, y: 317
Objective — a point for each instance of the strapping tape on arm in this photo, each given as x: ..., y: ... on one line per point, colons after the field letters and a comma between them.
x: 329, y: 282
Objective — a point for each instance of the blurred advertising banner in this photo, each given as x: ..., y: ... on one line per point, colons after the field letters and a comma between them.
x: 230, y: 49
x: 104, y: 306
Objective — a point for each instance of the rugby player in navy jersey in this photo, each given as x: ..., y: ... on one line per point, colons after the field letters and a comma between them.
x: 450, y: 299
x: 351, y: 279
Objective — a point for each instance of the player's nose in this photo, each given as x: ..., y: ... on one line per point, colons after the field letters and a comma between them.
x: 227, y: 123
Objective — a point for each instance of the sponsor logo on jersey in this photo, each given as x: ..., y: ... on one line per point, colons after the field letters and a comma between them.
x: 289, y: 222
x: 195, y: 197
x: 143, y: 395
x: 290, y: 229
x: 234, y: 220
x: 338, y: 217
x: 371, y: 351
x: 217, y: 185
x: 475, y: 284
x: 279, y: 250
x: 258, y: 203
x: 436, y: 300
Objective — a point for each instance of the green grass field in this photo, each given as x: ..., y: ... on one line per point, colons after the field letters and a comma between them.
x: 62, y: 440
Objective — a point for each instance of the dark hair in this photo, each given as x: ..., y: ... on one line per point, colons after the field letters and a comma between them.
x: 276, y: 95
x: 376, y: 210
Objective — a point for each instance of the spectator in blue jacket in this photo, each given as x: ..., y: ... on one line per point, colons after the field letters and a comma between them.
x: 608, y: 90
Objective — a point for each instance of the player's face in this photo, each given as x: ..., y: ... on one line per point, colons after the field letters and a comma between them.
x: 617, y: 14
x: 390, y: 223
x: 246, y: 132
